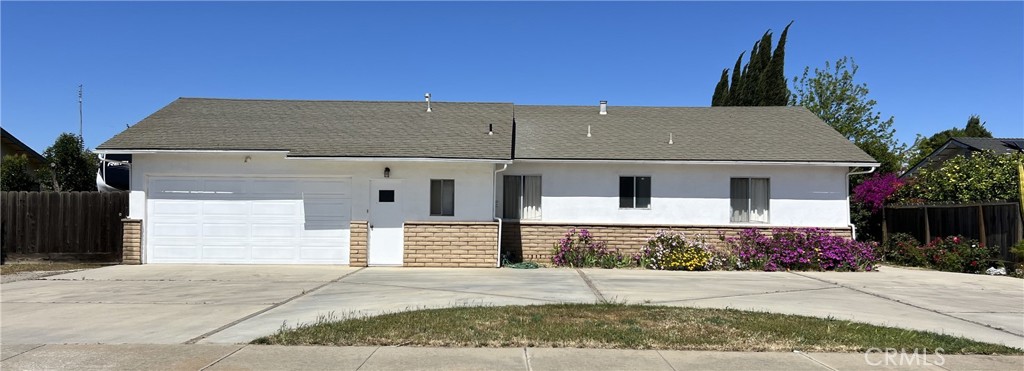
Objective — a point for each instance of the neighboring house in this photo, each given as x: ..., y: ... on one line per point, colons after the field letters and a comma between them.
x: 10, y: 145
x: 965, y: 146
x: 436, y: 183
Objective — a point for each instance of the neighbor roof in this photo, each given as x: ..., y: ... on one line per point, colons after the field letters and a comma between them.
x: 999, y: 145
x: 20, y: 148
x: 961, y: 145
x: 308, y: 128
x: 772, y: 134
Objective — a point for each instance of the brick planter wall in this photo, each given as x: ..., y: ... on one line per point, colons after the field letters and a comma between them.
x: 131, y: 240
x: 358, y: 234
x: 451, y: 244
x: 534, y: 241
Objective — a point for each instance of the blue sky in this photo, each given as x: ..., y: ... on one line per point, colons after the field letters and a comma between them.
x: 930, y: 65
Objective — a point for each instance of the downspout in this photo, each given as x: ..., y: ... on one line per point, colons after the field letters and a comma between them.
x: 494, y: 201
x: 853, y: 228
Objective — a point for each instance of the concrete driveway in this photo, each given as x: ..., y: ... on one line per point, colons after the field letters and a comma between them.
x: 168, y: 304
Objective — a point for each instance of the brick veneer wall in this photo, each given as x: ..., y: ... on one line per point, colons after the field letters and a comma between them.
x: 451, y: 244
x: 534, y: 241
x: 131, y: 241
x: 358, y: 234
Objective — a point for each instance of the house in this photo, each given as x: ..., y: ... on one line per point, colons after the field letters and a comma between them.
x: 437, y: 183
x: 965, y: 146
x: 10, y: 145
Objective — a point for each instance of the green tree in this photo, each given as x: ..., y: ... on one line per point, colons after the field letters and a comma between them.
x: 721, y: 95
x: 72, y: 166
x: 922, y: 147
x: 15, y: 174
x: 980, y: 177
x: 836, y: 98
x: 760, y: 82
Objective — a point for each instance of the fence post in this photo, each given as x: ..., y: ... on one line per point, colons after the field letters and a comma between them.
x: 981, y: 227
x: 885, y: 227
x: 927, y: 226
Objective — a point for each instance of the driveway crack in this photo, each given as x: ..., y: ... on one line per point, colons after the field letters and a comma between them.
x: 267, y: 309
x: 590, y: 284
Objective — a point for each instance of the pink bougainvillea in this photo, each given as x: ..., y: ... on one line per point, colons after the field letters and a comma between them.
x: 876, y: 190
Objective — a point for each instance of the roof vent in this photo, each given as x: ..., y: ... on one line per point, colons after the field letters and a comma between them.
x: 670, y: 141
x: 604, y: 107
x: 588, y: 131
x: 428, y: 101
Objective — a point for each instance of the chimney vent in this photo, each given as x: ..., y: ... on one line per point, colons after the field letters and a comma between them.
x: 428, y: 101
x: 604, y: 107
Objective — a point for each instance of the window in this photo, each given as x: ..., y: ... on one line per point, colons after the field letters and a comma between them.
x: 442, y: 197
x: 521, y: 197
x: 749, y: 200
x: 635, y: 192
x: 386, y: 195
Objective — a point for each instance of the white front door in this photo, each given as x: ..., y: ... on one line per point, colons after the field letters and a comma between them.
x: 386, y: 219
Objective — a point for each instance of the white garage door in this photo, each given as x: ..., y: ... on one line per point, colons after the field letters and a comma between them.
x: 247, y: 221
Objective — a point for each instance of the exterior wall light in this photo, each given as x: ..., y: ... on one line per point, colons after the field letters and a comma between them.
x: 387, y: 172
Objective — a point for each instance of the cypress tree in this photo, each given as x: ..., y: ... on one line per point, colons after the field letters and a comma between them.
x: 721, y: 95
x: 735, y: 88
x: 764, y: 60
x: 777, y: 93
x: 751, y: 77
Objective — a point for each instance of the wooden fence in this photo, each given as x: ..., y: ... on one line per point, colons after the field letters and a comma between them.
x: 81, y: 225
x: 993, y: 224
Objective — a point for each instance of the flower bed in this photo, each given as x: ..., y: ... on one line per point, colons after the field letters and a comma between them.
x: 783, y: 249
x: 951, y: 254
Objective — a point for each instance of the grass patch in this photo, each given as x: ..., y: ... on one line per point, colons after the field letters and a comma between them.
x: 619, y: 326
x: 12, y: 268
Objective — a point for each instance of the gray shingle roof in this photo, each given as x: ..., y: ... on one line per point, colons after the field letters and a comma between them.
x: 783, y: 134
x: 999, y: 145
x: 459, y: 130
x: 326, y: 128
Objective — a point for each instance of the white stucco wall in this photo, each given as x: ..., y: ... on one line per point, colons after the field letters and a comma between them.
x: 473, y: 181
x: 801, y: 196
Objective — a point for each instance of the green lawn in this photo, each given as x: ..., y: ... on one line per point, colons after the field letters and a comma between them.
x: 620, y: 326
x: 12, y: 268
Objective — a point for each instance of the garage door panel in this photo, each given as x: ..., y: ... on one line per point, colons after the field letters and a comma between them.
x: 245, y: 221
x: 325, y: 187
x: 175, y: 207
x: 267, y: 230
x: 171, y: 229
x: 225, y: 187
x: 322, y: 254
x: 225, y: 208
x: 276, y: 208
x: 170, y: 187
x: 175, y: 252
x: 235, y: 231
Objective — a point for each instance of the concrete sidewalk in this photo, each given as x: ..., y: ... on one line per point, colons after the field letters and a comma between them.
x: 214, y: 357
x: 267, y: 357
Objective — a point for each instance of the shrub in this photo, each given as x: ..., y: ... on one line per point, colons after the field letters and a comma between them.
x: 904, y: 249
x: 668, y: 250
x: 579, y: 249
x: 959, y: 254
x: 800, y: 249
x: 876, y: 190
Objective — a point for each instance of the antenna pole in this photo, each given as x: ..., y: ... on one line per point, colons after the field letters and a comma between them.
x: 80, y: 137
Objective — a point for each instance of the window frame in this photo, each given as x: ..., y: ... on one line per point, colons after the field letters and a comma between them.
x: 650, y: 192
x: 750, y: 200
x: 430, y: 207
x: 522, y: 195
